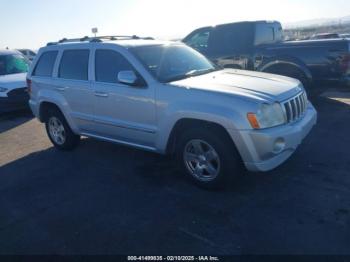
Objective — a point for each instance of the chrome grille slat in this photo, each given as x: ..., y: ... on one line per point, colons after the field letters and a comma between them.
x: 290, y: 114
x: 299, y: 106
x: 295, y: 107
x: 297, y: 115
x: 302, y: 103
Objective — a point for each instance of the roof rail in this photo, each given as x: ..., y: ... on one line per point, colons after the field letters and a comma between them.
x: 99, y: 39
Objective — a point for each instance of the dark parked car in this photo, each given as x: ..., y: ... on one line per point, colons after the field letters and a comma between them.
x: 259, y: 46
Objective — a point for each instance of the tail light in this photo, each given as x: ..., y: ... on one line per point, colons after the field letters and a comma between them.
x: 29, y: 86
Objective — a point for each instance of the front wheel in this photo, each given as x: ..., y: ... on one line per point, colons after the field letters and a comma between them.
x: 59, y: 131
x: 208, y: 157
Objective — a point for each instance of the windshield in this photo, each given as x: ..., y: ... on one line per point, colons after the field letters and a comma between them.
x: 13, y: 64
x: 173, y: 62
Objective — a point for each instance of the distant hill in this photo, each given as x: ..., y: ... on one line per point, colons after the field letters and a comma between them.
x: 318, y: 22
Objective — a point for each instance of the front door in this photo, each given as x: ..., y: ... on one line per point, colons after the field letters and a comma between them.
x: 122, y: 112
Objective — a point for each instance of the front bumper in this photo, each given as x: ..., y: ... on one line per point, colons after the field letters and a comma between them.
x: 258, y: 147
x: 16, y: 99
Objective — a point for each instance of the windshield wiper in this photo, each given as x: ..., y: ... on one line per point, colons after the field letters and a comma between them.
x: 175, y: 78
x: 200, y: 72
x: 191, y: 73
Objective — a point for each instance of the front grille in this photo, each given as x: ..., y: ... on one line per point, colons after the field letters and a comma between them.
x: 295, y: 107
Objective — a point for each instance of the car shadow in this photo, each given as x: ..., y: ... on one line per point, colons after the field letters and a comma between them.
x: 13, y: 119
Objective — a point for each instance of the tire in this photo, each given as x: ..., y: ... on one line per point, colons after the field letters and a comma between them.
x: 206, y: 168
x: 59, y: 132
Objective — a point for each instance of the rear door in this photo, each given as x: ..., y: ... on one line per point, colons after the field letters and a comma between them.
x: 72, y: 82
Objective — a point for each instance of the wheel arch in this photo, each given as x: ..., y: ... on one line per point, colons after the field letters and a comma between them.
x: 186, y: 123
x: 44, y: 107
x: 285, y: 62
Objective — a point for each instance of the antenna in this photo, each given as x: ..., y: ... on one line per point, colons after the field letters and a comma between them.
x: 94, y: 30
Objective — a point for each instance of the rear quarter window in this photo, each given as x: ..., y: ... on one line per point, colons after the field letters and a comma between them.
x: 45, y: 65
x: 74, y: 65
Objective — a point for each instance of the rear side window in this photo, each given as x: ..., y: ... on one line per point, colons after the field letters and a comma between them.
x: 226, y: 39
x: 74, y: 65
x: 108, y: 64
x: 45, y: 65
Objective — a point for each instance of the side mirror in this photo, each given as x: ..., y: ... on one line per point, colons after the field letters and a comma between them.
x: 127, y: 77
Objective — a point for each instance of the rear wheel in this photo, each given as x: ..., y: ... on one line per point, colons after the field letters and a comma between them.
x: 208, y: 157
x: 59, y: 131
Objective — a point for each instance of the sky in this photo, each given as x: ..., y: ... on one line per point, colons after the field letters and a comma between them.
x: 33, y: 23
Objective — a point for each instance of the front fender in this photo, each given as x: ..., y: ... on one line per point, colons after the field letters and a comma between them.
x: 223, y: 116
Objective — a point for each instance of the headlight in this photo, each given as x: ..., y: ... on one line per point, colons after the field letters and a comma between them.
x: 268, y: 115
x: 3, y: 89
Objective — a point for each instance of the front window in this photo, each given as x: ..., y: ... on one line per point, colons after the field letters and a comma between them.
x: 13, y: 64
x: 198, y: 40
x: 172, y: 62
x: 108, y: 64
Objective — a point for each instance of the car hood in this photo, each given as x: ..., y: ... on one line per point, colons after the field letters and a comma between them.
x: 13, y: 81
x: 249, y: 84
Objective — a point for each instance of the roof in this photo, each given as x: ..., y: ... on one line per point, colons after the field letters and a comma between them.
x: 135, y: 43
x: 8, y: 52
x: 125, y: 41
x: 122, y: 43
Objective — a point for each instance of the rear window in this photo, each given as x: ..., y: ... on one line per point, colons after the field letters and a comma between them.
x: 13, y: 64
x: 266, y: 33
x: 45, y: 65
x: 74, y: 65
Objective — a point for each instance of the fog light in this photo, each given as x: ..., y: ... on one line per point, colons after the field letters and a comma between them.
x: 279, y: 145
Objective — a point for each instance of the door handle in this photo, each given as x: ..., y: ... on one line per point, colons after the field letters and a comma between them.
x: 101, y: 94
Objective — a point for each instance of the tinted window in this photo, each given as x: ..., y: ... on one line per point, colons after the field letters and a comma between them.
x: 46, y: 63
x: 13, y: 64
x: 231, y: 38
x: 266, y: 33
x: 108, y: 64
x: 199, y: 39
x: 74, y: 65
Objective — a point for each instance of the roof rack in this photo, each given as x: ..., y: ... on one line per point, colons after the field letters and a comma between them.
x: 98, y: 39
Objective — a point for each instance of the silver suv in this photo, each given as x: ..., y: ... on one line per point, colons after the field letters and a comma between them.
x: 167, y: 98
